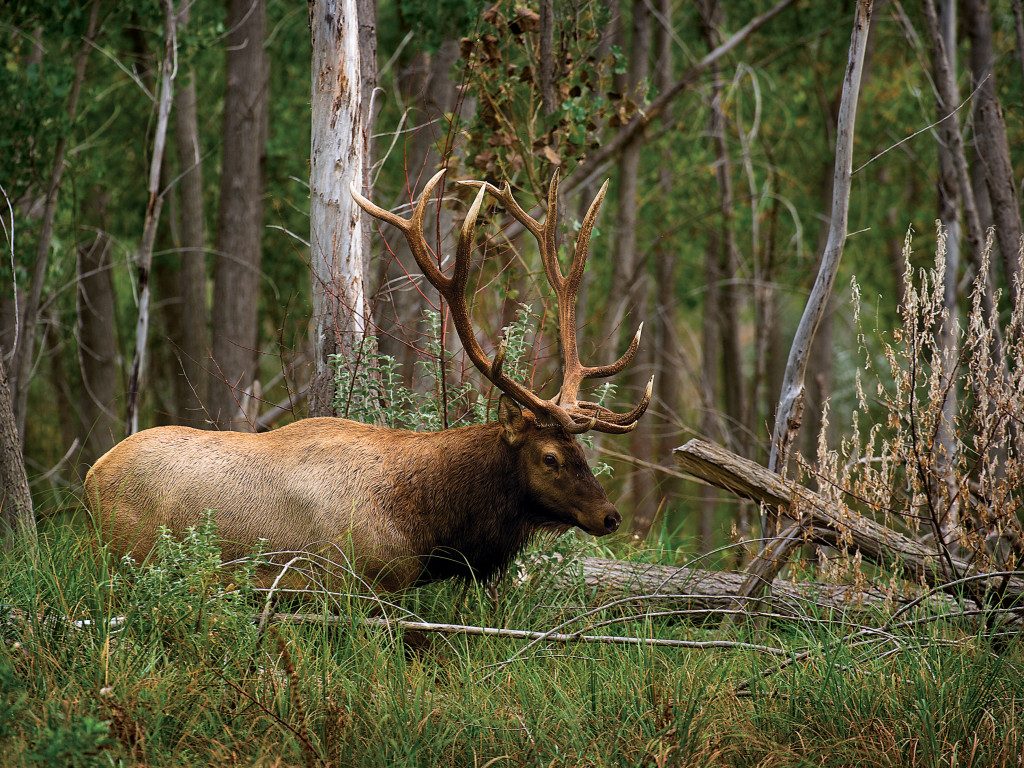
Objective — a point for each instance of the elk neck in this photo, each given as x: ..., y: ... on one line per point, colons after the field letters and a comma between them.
x: 473, y: 514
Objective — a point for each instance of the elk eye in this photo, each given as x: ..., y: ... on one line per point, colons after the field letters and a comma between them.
x: 551, y: 460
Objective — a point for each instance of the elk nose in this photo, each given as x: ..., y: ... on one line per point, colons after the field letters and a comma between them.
x: 612, y: 521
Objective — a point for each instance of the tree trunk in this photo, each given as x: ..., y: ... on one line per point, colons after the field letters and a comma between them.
x: 97, y: 349
x: 973, y: 192
x: 430, y: 94
x: 339, y: 161
x: 629, y: 272
x: 663, y: 347
x: 948, y: 333
x: 547, y: 57
x: 710, y: 346
x: 729, y: 298
x: 789, y: 413
x: 16, y: 502
x: 702, y: 593
x: 144, y: 257
x: 791, y: 401
x: 21, y: 363
x: 991, y: 142
x: 193, y: 346
x: 630, y: 285
x: 235, y: 327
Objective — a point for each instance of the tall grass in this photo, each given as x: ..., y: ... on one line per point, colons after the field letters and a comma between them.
x: 163, y: 665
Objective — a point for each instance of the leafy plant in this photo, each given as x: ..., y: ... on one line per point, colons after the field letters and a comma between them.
x: 369, y: 385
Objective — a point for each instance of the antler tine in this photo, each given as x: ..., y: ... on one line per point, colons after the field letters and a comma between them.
x: 604, y: 371
x: 579, y: 258
x: 611, y: 417
x: 412, y: 227
x: 569, y: 413
x: 511, y: 205
x: 464, y: 252
x: 567, y: 290
x: 454, y: 292
x: 549, y: 241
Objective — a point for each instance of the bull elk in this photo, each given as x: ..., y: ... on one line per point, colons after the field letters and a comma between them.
x: 406, y: 507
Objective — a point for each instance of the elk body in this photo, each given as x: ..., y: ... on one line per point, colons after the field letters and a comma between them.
x: 397, y: 507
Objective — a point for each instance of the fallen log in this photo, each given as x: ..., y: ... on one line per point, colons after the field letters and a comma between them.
x: 822, y: 522
x: 701, y: 592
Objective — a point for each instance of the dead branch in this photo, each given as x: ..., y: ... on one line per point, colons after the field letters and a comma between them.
x: 790, y: 409
x: 824, y: 522
x: 522, y: 634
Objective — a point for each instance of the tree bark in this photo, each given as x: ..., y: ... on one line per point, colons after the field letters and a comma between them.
x: 193, y: 346
x: 144, y: 257
x: 235, y: 327
x: 630, y: 286
x: 21, y: 363
x: 791, y: 401
x: 430, y: 93
x: 703, y: 593
x: 817, y: 520
x: 974, y: 195
x: 664, y: 347
x: 547, y: 57
x: 339, y: 161
x: 629, y: 271
x: 16, y: 502
x: 710, y: 350
x: 734, y: 427
x: 97, y: 350
x: 991, y: 142
x: 948, y: 340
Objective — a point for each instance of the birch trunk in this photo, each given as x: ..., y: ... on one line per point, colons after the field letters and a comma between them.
x: 144, y: 257
x: 338, y: 161
x: 790, y: 411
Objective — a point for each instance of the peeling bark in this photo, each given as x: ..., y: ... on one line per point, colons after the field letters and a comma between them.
x: 338, y: 161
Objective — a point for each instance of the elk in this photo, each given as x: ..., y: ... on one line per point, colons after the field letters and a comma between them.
x: 403, y: 507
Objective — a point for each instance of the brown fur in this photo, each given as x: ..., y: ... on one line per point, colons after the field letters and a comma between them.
x: 404, y: 507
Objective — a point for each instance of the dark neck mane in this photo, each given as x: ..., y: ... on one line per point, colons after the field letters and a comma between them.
x: 472, y: 517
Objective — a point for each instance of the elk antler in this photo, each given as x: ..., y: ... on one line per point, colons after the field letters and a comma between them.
x: 573, y: 415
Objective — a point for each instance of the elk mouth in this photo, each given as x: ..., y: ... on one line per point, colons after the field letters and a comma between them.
x: 610, y: 520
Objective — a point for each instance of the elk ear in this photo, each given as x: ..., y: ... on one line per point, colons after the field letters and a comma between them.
x: 513, y: 421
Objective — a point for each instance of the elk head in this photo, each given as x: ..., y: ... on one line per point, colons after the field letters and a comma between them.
x: 550, y: 461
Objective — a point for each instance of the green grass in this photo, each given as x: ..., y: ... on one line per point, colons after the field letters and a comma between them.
x: 187, y: 679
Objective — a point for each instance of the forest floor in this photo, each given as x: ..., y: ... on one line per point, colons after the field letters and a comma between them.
x: 165, y: 665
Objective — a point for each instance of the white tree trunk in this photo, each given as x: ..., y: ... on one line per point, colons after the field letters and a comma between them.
x: 144, y: 258
x: 337, y: 160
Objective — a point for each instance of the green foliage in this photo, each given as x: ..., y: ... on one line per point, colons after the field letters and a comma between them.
x: 183, y: 598
x: 369, y: 386
x: 197, y: 692
x: 434, y: 21
x: 76, y: 743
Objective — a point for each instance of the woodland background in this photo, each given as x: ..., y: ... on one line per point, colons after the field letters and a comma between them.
x: 717, y: 211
